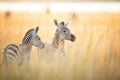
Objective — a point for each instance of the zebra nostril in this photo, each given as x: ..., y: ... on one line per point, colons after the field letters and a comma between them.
x: 73, y: 38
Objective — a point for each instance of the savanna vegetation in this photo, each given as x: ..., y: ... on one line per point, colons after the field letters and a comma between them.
x: 95, y: 55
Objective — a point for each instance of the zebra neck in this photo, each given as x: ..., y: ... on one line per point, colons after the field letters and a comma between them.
x: 57, y: 41
x: 26, y: 49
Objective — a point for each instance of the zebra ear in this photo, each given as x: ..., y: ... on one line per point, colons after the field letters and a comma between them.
x: 36, y: 29
x: 56, y: 23
x: 67, y: 23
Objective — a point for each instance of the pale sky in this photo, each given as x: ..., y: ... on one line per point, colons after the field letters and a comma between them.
x: 61, y: 7
x: 59, y: 0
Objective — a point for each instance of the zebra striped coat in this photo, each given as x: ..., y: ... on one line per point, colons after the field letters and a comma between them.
x: 57, y: 46
x: 20, y: 54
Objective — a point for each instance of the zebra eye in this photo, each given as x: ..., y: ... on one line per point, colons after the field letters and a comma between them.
x: 64, y: 31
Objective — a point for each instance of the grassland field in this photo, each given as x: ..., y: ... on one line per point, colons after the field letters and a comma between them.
x: 95, y: 55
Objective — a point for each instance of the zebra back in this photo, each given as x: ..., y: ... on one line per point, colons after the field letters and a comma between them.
x: 11, y: 54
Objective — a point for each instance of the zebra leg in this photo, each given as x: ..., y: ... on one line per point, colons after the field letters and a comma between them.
x: 62, y: 53
x: 25, y: 62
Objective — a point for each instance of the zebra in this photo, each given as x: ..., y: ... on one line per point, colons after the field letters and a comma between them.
x: 20, y: 54
x: 56, y: 47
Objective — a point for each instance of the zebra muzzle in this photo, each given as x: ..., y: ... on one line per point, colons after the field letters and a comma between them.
x: 73, y: 38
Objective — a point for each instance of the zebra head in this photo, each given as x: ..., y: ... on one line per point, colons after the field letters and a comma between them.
x: 32, y: 38
x: 63, y: 31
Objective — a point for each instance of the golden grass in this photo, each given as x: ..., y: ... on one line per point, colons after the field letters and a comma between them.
x: 93, y: 56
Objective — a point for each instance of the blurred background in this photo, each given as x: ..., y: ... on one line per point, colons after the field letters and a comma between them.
x: 59, y: 0
x: 95, y: 55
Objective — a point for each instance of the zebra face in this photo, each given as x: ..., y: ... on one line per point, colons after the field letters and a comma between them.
x: 35, y: 40
x: 32, y: 38
x: 64, y: 32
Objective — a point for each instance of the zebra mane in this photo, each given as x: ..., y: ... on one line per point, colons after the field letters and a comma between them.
x: 27, y: 37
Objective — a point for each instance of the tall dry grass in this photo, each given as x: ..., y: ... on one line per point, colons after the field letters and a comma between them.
x: 95, y: 55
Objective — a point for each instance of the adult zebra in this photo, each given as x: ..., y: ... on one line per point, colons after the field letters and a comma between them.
x: 20, y: 54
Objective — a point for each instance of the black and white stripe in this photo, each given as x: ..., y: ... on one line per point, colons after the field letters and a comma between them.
x: 11, y: 54
x: 20, y: 54
x: 56, y: 47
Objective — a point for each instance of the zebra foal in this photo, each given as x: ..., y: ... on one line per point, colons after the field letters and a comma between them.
x: 56, y: 47
x: 20, y: 54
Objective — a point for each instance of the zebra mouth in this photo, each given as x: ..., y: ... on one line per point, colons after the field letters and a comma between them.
x: 73, y: 38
